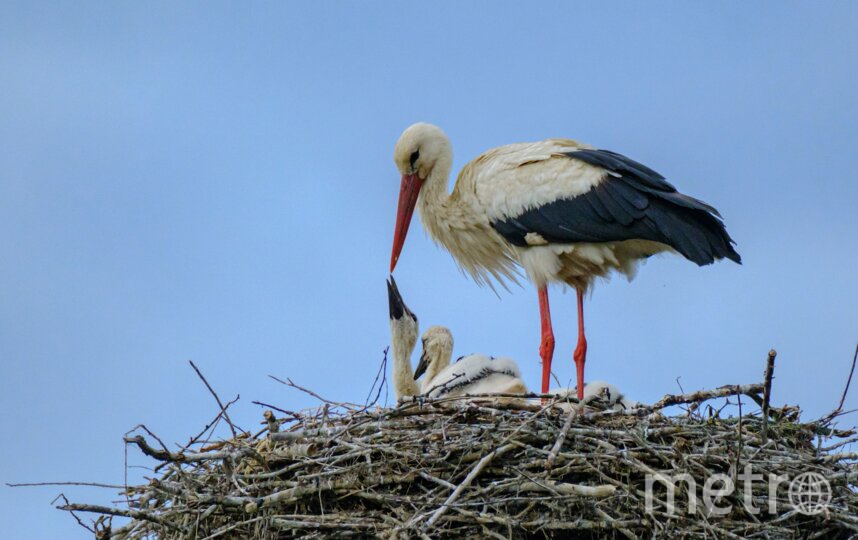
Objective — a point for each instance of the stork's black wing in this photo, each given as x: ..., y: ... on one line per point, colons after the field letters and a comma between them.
x: 632, y: 203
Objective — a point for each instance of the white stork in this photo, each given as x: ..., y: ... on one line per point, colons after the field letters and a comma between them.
x: 565, y: 211
x: 473, y: 374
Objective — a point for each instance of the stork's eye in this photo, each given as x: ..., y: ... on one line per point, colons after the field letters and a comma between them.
x: 415, y: 155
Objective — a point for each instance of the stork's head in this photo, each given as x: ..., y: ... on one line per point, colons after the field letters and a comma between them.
x: 403, y: 323
x: 437, y: 350
x: 421, y: 150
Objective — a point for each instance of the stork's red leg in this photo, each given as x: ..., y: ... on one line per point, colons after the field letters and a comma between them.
x: 546, y: 347
x: 581, y: 350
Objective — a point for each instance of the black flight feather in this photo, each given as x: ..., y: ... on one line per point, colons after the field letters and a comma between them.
x: 633, y: 203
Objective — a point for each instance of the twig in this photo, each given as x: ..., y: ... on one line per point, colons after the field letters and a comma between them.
x: 839, y: 410
x: 151, y: 434
x: 835, y: 414
x: 179, y: 457
x: 424, y: 399
x: 467, y: 482
x: 506, y: 446
x: 565, y: 488
x: 552, y: 455
x: 849, y: 380
x: 220, y: 404
x: 443, y: 385
x: 767, y: 392
x: 382, y: 373
x: 288, y: 382
x: 87, y: 484
x: 278, y: 409
x: 235, y: 525
x: 739, y: 443
x: 197, y: 437
x: 427, y: 476
x: 134, y: 514
x: 125, y: 473
x: 79, y: 521
x: 703, y: 395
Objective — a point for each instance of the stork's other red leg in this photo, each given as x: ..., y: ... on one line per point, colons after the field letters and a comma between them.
x: 546, y: 347
x: 581, y: 350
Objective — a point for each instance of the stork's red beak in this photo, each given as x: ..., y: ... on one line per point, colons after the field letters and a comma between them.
x: 408, y: 192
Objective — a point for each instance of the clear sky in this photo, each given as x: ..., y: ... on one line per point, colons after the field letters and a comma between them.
x: 214, y: 182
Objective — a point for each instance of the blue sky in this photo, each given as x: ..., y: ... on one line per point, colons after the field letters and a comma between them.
x: 214, y: 182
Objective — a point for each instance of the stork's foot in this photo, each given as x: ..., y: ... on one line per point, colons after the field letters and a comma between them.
x: 580, y: 356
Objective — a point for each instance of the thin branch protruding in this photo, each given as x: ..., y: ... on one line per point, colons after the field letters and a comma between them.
x: 767, y: 391
x: 848, y: 380
x: 213, y: 393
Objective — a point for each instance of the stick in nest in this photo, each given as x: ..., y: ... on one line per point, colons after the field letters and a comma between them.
x: 219, y: 402
x: 767, y: 392
x: 848, y: 380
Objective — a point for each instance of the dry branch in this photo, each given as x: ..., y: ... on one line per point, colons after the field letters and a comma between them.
x: 454, y: 467
x: 217, y: 398
x: 848, y: 380
x: 767, y: 391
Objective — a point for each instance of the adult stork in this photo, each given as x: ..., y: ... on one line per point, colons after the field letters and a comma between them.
x: 565, y: 211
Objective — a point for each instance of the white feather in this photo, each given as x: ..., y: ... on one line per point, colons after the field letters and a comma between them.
x: 475, y: 374
x: 602, y: 390
x: 510, y: 179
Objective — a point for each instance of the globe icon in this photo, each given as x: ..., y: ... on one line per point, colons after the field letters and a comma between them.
x: 809, y: 493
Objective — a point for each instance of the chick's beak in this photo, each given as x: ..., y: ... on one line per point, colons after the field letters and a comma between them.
x: 421, y: 366
x: 397, y: 306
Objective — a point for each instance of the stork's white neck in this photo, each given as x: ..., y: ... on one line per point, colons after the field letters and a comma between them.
x: 453, y: 222
x: 434, y: 190
x: 445, y: 216
x: 404, y: 337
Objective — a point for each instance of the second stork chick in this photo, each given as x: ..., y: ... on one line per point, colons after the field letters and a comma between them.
x: 602, y: 391
x: 471, y: 374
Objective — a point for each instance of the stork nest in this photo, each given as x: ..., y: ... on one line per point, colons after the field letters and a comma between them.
x: 466, y: 468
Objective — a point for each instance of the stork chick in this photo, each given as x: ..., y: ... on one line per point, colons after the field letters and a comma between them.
x: 600, y: 390
x: 471, y: 374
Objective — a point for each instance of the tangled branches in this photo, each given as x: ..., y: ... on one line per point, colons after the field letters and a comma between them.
x: 479, y: 468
